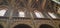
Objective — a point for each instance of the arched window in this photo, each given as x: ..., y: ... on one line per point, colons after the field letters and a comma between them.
x: 22, y: 26
x: 38, y: 14
x: 21, y: 14
x: 2, y: 12
x: 52, y: 15
x: 45, y: 26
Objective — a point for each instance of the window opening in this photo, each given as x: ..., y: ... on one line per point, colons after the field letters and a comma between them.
x: 2, y: 12
x: 39, y: 15
x: 52, y: 15
x: 21, y: 14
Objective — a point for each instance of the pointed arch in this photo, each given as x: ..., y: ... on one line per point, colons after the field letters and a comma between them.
x: 45, y: 26
x: 22, y: 26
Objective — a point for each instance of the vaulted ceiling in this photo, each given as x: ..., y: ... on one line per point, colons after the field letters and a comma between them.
x: 41, y: 5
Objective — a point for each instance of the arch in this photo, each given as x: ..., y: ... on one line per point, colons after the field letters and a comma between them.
x: 3, y: 11
x: 22, y: 26
x: 45, y: 26
x: 1, y: 26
